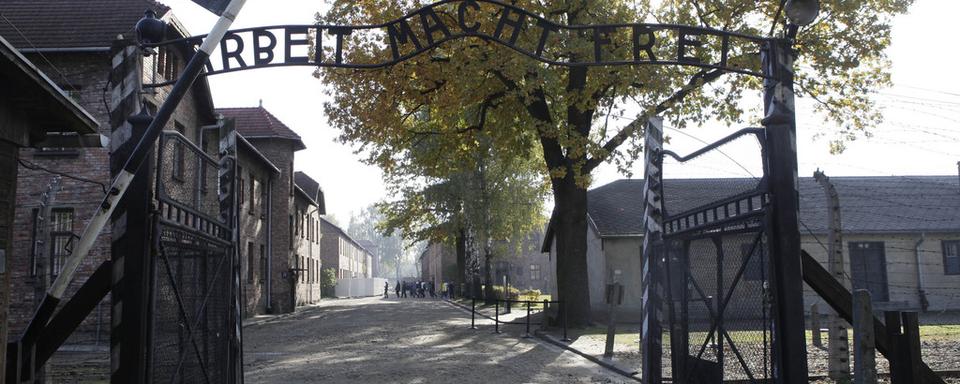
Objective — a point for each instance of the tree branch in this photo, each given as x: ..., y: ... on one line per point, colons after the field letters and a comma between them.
x: 698, y: 80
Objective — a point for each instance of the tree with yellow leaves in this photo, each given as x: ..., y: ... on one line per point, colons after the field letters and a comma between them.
x: 479, y: 84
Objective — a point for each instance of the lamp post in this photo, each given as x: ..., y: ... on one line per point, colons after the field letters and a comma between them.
x: 789, y: 342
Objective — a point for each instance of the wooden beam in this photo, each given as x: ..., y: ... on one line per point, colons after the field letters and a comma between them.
x: 840, y: 299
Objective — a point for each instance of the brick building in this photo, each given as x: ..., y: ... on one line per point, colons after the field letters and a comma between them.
x: 30, y: 106
x: 255, y: 176
x: 438, y: 263
x: 280, y: 213
x: 374, y: 249
x: 306, y: 243
x: 342, y: 253
x: 77, y: 47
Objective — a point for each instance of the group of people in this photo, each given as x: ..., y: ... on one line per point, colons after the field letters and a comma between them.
x: 420, y: 289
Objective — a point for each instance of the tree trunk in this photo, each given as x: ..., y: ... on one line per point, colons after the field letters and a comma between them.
x: 488, y: 287
x: 461, y: 257
x: 570, y: 233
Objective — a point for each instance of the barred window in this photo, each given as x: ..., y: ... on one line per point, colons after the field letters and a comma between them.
x: 167, y: 64
x: 263, y: 262
x: 61, y: 233
x: 250, y: 272
x: 179, y: 154
x: 253, y: 193
x: 534, y: 271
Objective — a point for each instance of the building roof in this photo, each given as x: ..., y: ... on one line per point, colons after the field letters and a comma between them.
x: 311, y: 188
x: 38, y: 97
x: 868, y: 204
x: 258, y: 123
x: 44, y: 24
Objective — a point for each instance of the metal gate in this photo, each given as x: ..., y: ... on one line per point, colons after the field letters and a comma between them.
x: 194, y: 329
x: 716, y: 271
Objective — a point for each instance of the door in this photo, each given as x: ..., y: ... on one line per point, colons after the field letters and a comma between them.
x: 868, y: 266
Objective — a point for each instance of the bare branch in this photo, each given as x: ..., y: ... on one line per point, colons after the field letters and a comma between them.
x: 698, y: 80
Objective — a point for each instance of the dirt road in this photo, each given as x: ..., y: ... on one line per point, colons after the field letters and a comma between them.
x: 375, y: 340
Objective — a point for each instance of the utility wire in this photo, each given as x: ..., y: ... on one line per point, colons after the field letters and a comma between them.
x: 35, y: 167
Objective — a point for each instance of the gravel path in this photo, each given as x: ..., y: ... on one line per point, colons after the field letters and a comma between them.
x: 374, y: 340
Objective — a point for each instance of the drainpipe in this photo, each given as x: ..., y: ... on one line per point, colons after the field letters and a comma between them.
x: 924, y: 303
x: 269, y: 280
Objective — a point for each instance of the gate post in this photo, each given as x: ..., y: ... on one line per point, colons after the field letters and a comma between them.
x: 130, y: 249
x: 651, y: 335
x: 789, y: 344
x: 226, y: 176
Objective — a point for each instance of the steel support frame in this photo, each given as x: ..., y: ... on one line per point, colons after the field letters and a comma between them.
x: 789, y: 343
x: 651, y: 335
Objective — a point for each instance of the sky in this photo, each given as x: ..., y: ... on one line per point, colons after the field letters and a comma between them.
x: 920, y: 135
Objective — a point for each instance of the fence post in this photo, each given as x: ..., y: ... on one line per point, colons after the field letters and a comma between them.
x: 892, y: 321
x: 815, y: 325
x: 563, y: 308
x: 473, y: 313
x: 865, y: 364
x: 838, y: 345
x: 911, y: 346
x: 543, y: 322
x: 527, y: 335
x: 496, y: 316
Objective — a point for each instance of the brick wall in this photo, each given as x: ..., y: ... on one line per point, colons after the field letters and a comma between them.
x: 253, y: 230
x: 8, y: 186
x: 281, y: 154
x: 307, y: 251
x: 84, y: 76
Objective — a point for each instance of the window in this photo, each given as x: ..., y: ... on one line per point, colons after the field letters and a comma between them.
x: 263, y: 198
x: 250, y: 262
x: 61, y: 232
x: 534, y: 271
x: 291, y: 231
x: 179, y: 160
x: 263, y: 262
x: 72, y: 91
x: 868, y: 267
x: 240, y: 186
x: 253, y: 194
x: 757, y: 265
x: 951, y: 257
x: 167, y: 65
x: 35, y: 237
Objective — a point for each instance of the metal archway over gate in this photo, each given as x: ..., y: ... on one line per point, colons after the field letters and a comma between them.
x: 191, y: 277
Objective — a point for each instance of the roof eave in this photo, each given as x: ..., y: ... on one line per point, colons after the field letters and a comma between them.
x: 298, y: 142
x: 83, y: 122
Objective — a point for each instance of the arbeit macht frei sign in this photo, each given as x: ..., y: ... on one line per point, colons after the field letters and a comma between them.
x: 527, y: 33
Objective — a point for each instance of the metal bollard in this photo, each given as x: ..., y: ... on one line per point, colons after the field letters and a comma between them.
x: 473, y: 313
x: 543, y: 323
x: 563, y: 308
x: 526, y: 336
x: 496, y: 316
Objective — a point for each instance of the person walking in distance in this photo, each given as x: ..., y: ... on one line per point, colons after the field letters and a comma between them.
x: 386, y: 288
x: 397, y: 290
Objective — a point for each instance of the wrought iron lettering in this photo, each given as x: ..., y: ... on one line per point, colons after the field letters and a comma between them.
x: 523, y: 31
